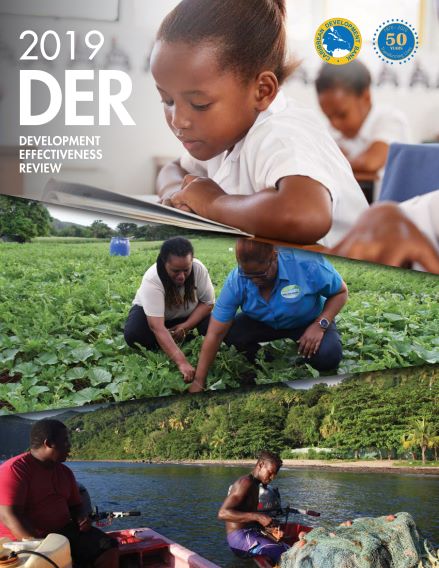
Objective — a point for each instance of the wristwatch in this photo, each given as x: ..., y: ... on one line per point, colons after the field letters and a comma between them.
x: 324, y: 323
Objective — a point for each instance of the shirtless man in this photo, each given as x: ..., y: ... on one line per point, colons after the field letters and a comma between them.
x: 240, y: 512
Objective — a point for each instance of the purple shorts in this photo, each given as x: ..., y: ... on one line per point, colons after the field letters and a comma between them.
x: 250, y: 542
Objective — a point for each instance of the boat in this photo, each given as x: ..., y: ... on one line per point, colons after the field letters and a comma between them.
x: 291, y: 535
x: 146, y: 547
x: 137, y: 548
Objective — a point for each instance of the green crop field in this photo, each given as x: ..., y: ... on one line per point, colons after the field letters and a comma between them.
x: 63, y: 306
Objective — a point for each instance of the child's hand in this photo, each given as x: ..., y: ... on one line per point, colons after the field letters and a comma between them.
x: 187, y: 180
x: 196, y: 194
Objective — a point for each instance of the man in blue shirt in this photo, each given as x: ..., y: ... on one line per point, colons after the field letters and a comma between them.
x: 285, y: 293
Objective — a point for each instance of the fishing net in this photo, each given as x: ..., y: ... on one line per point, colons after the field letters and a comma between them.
x: 383, y: 542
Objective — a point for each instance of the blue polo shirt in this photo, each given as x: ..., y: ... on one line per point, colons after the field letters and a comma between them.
x: 303, y: 283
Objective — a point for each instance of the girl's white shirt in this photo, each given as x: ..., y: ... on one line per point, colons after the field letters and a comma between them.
x: 287, y: 140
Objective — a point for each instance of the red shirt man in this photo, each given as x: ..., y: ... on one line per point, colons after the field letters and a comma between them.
x: 45, y: 495
x: 39, y: 495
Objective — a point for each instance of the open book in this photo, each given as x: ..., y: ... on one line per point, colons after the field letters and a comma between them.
x: 140, y: 208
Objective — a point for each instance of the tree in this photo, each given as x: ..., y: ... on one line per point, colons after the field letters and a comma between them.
x: 154, y: 232
x: 100, y: 230
x: 126, y: 229
x: 22, y: 219
x: 435, y: 446
x: 330, y: 425
x: 421, y: 435
x: 302, y: 427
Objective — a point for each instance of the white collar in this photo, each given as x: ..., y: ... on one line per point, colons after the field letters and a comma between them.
x: 278, y: 105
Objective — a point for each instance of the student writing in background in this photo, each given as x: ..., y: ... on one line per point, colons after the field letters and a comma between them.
x: 258, y: 161
x: 362, y: 129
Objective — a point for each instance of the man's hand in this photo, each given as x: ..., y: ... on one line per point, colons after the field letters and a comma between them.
x: 310, y: 341
x: 178, y: 332
x: 385, y: 235
x: 276, y: 532
x: 195, y: 193
x: 264, y: 520
x: 187, y: 371
x: 196, y: 386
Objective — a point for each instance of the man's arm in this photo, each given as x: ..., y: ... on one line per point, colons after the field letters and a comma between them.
x: 84, y: 521
x: 229, y: 512
x: 335, y: 303
x: 311, y: 339
x: 166, y: 342
x: 215, y: 334
x: 14, y: 519
x: 299, y: 211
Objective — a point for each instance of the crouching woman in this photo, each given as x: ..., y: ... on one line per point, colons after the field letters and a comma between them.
x: 176, y: 296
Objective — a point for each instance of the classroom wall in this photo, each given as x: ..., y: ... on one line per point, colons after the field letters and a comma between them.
x: 128, y: 163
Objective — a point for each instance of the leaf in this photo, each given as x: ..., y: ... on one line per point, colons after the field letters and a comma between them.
x: 393, y: 317
x: 76, y: 373
x: 426, y: 355
x: 8, y: 355
x: 81, y: 354
x: 38, y: 389
x: 48, y: 359
x: 28, y: 369
x: 219, y: 385
x: 98, y: 375
x: 313, y: 372
x: 85, y: 396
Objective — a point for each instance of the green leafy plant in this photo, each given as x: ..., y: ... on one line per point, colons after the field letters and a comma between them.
x: 63, y: 305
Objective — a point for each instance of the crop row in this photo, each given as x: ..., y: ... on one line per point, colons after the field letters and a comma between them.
x: 63, y: 306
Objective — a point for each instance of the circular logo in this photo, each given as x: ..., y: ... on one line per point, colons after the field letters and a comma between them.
x: 337, y: 41
x: 395, y: 41
x: 290, y: 292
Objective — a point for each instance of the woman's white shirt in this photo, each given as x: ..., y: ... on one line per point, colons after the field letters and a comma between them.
x: 151, y: 293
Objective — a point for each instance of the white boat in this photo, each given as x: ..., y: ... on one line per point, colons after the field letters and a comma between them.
x: 137, y: 548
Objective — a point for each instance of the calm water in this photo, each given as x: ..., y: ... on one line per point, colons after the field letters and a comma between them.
x: 181, y: 501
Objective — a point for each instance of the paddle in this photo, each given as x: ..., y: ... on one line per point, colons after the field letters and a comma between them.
x: 104, y: 515
x: 287, y: 510
x: 309, y: 512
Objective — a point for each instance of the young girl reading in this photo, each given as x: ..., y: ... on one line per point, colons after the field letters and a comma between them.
x: 256, y: 160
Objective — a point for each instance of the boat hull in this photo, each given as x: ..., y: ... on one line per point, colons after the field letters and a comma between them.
x: 291, y: 535
x: 145, y: 547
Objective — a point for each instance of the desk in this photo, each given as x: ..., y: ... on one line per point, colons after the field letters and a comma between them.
x: 366, y: 181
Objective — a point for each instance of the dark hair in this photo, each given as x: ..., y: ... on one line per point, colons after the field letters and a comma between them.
x: 176, y: 246
x: 266, y: 455
x: 353, y: 76
x: 251, y: 33
x: 46, y: 429
x: 252, y: 251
